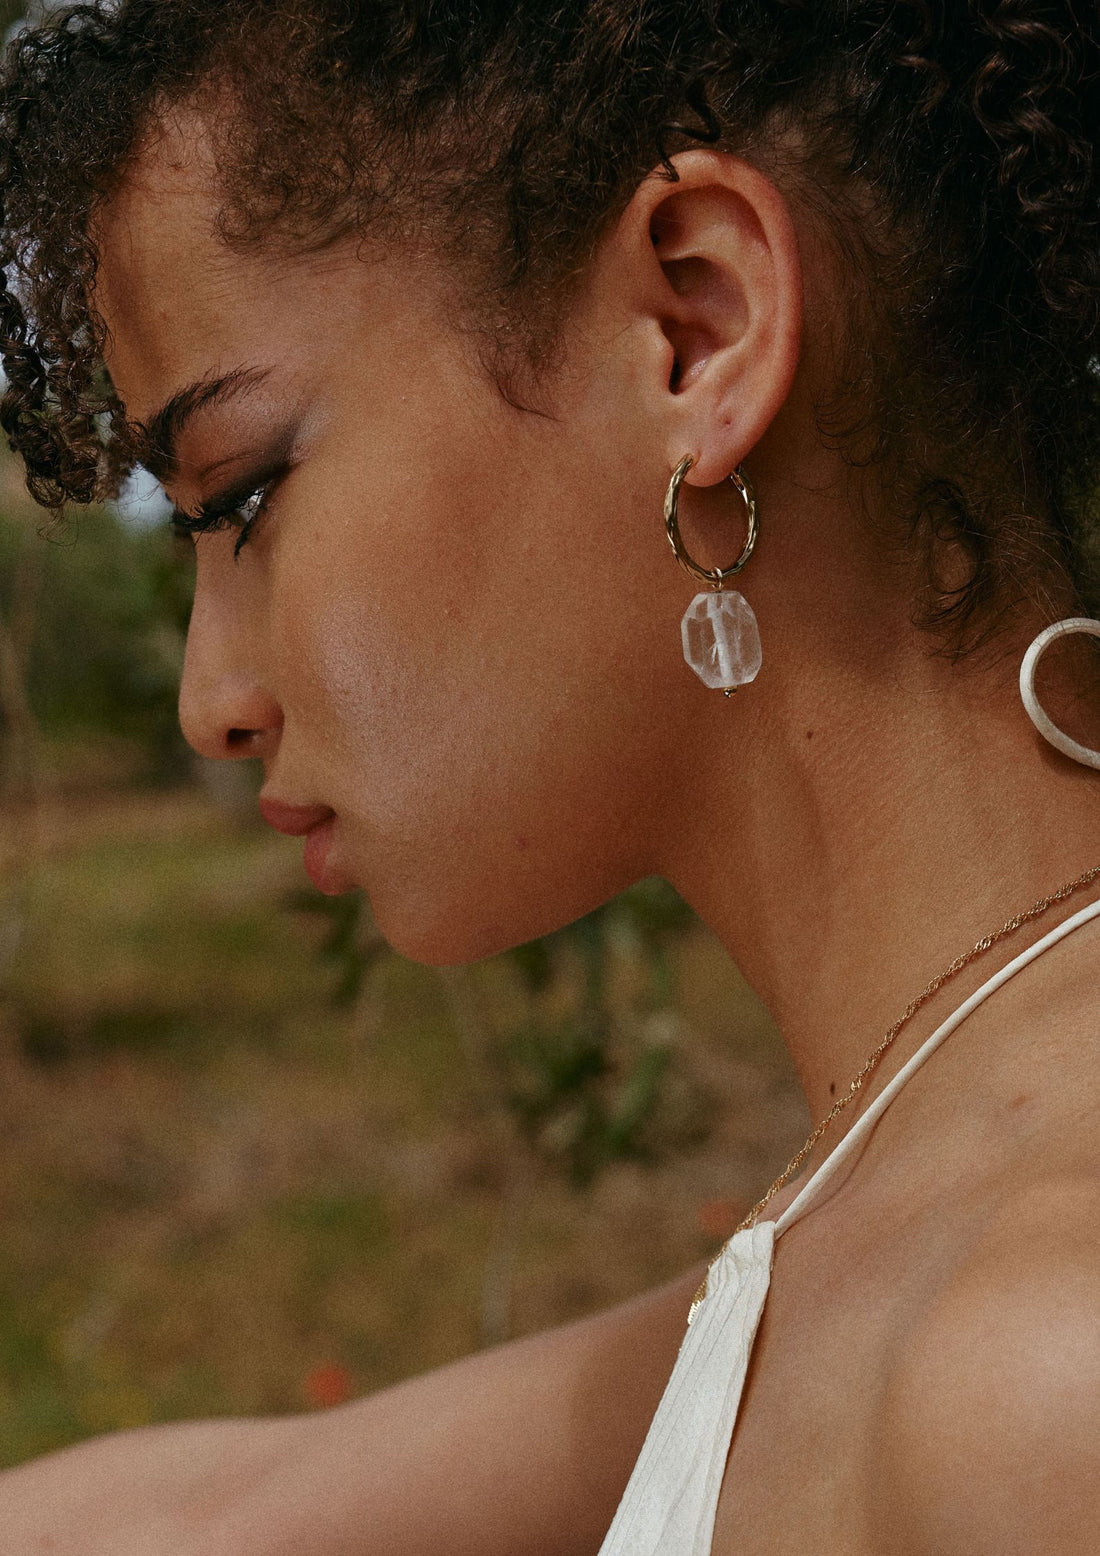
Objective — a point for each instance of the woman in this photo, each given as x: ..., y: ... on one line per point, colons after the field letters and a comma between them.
x: 438, y: 322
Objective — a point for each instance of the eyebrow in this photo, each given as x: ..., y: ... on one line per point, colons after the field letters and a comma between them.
x: 160, y: 435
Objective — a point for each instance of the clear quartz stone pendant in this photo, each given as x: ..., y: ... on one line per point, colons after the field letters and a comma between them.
x: 721, y: 639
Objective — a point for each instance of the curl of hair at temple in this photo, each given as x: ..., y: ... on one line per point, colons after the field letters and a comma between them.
x: 949, y: 149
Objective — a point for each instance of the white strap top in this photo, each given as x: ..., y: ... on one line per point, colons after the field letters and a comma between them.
x: 670, y: 1502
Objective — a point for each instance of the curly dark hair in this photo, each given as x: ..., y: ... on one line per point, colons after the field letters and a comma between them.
x: 949, y: 148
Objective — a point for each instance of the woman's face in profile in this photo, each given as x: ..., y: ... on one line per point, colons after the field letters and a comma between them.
x: 451, y: 621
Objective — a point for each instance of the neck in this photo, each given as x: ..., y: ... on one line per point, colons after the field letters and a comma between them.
x: 889, y: 809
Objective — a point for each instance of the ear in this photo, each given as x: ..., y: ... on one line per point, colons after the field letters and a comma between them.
x: 712, y: 263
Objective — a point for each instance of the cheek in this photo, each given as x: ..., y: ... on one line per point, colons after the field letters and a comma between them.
x: 464, y: 682
x: 409, y: 698
x: 454, y: 789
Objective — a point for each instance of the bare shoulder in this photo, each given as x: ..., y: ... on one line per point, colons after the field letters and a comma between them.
x: 990, y: 1433
x: 525, y: 1447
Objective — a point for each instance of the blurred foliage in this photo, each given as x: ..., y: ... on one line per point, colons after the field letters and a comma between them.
x: 588, y: 1074
x: 350, y: 943
x: 588, y: 1086
x: 108, y: 608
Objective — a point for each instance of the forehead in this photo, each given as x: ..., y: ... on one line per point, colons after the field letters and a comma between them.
x: 179, y: 304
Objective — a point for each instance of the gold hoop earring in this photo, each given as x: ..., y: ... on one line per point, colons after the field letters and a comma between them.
x: 719, y: 630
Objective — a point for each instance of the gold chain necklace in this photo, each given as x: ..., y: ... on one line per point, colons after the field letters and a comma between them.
x: 872, y: 1063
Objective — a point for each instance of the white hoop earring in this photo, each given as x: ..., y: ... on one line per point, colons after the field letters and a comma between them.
x: 1043, y: 723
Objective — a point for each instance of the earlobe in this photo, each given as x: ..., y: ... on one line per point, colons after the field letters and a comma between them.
x: 727, y: 298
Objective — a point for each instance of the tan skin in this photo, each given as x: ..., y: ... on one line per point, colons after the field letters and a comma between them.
x: 456, y: 624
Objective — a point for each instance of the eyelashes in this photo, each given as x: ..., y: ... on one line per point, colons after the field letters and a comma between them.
x: 239, y: 509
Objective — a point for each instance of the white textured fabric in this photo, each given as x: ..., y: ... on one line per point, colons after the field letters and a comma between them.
x: 671, y: 1499
x: 670, y: 1502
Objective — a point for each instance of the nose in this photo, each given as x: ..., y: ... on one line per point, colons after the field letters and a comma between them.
x: 225, y: 710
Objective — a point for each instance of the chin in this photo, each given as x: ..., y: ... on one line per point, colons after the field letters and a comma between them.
x: 454, y: 940
x: 448, y: 929
x: 448, y: 907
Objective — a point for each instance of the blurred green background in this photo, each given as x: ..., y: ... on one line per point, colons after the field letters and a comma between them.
x: 250, y: 1159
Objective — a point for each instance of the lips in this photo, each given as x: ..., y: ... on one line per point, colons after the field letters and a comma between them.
x: 294, y: 820
x: 317, y: 824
